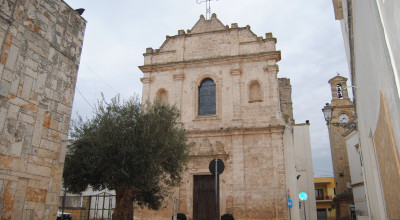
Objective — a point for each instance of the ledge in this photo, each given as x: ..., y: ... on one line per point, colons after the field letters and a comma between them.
x: 185, y: 63
x: 209, y: 155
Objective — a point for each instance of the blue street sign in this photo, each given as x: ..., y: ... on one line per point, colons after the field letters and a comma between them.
x: 303, y: 196
x: 289, y: 203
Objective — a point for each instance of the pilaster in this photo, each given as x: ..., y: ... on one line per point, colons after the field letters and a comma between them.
x: 272, y: 91
x: 146, y: 87
x: 238, y: 176
x: 178, y: 82
x: 236, y: 72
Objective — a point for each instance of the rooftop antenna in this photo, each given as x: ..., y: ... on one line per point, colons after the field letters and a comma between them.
x: 208, y: 7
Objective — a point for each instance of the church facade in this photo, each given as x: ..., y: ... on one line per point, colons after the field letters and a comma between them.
x: 224, y: 81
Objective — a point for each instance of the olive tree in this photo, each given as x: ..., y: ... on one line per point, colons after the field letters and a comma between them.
x: 138, y: 150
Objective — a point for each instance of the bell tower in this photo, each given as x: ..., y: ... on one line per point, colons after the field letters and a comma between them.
x: 339, y: 115
x: 339, y: 88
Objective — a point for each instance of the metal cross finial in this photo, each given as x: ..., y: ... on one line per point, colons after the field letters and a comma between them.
x: 208, y: 7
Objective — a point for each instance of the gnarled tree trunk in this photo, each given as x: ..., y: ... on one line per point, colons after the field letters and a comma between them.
x: 124, y: 204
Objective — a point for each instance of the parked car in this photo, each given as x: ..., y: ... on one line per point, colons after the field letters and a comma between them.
x: 67, y: 216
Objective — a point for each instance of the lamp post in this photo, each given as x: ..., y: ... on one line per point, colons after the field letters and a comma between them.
x: 327, y: 110
x: 303, y: 197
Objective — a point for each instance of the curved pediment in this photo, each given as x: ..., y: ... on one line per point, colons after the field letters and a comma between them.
x: 210, y: 39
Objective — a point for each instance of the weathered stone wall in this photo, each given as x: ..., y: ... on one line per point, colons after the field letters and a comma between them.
x: 285, y: 97
x: 41, y: 43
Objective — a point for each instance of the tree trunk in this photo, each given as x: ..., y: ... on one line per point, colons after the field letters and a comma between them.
x: 124, y: 204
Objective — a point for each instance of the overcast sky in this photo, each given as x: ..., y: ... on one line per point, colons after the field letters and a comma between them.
x: 309, y: 38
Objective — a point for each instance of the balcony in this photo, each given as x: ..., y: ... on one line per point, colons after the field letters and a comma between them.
x: 323, y: 198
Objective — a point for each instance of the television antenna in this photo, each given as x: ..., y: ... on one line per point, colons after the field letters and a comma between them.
x: 208, y: 7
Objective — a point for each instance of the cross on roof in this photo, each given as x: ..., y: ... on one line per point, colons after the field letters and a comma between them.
x: 208, y: 7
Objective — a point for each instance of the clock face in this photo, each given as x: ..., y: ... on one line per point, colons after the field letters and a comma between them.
x: 343, y: 118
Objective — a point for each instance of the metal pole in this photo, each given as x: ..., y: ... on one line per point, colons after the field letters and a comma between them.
x: 90, y: 204
x: 102, y: 209
x: 216, y: 188
x: 63, y: 205
x: 304, y: 204
x: 175, y: 209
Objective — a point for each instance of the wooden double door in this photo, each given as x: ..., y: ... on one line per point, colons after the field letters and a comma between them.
x: 204, y: 197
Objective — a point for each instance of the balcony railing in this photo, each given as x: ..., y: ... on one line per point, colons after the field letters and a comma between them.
x: 323, y: 198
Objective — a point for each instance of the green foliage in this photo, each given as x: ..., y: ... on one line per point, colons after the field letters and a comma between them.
x: 127, y: 145
x: 227, y: 217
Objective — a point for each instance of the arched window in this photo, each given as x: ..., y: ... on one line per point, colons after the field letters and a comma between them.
x: 339, y: 91
x: 162, y: 94
x: 207, y: 98
x: 254, y: 92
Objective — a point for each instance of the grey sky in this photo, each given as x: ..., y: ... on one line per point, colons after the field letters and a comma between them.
x: 118, y: 32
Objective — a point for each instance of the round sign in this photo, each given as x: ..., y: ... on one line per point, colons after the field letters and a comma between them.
x: 303, y: 196
x: 290, y: 203
x: 220, y: 166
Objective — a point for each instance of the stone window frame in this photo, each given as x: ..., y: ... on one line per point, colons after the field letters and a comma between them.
x: 197, y: 84
x: 261, y: 97
x: 207, y: 107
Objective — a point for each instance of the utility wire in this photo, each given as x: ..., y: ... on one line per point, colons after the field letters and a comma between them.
x: 85, y: 99
x: 98, y: 76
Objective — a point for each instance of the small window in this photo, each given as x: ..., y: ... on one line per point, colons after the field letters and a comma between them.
x: 254, y: 92
x: 207, y: 100
x: 162, y: 95
x: 339, y: 91
x: 319, y: 194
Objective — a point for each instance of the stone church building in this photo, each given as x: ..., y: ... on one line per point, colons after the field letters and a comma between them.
x: 234, y: 108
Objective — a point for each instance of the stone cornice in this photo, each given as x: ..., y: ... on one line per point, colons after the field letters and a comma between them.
x: 230, y: 131
x: 211, y: 155
x: 214, y: 60
x: 272, y: 68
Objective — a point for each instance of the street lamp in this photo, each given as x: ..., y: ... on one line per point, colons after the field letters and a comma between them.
x: 327, y: 110
x: 303, y: 197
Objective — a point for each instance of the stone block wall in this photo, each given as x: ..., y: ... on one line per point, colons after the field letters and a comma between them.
x: 41, y: 43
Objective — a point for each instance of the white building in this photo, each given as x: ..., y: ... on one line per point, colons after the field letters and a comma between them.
x: 304, y: 168
x: 371, y: 34
x: 357, y: 181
